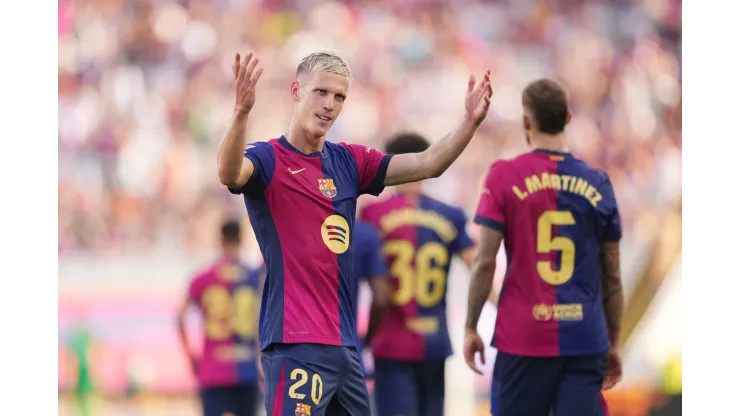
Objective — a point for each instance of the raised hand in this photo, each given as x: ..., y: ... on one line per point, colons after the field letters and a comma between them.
x: 245, y: 81
x: 478, y: 98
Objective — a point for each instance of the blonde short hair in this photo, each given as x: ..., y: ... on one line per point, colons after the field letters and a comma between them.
x: 325, y: 60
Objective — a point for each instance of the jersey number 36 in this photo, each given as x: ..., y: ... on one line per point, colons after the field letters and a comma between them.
x: 420, y: 274
x: 227, y: 314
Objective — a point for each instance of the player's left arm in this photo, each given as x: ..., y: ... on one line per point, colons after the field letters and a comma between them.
x: 611, y: 278
x: 610, y: 260
x: 431, y: 163
x: 613, y: 297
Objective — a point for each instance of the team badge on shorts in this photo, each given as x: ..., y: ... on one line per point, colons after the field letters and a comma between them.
x: 326, y: 186
x: 302, y: 410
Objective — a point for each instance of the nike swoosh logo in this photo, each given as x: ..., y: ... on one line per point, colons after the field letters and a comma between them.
x: 296, y: 171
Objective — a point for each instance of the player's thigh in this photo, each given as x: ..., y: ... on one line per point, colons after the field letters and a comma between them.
x: 431, y: 382
x: 245, y: 398
x: 396, y: 392
x: 352, y: 398
x: 300, y: 379
x: 524, y: 386
x: 217, y: 401
x: 579, y: 392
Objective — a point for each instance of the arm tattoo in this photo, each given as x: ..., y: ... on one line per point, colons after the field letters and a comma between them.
x: 482, y: 276
x: 612, y: 289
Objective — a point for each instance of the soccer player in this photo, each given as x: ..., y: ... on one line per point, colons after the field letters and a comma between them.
x: 370, y: 267
x: 301, y: 194
x: 420, y: 237
x: 80, y: 343
x: 557, y: 329
x: 226, y: 295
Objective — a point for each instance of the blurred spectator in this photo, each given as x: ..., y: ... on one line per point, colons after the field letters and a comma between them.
x: 145, y: 95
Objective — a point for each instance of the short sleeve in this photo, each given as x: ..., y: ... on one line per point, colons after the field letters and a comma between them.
x: 372, y: 166
x: 609, y: 212
x: 375, y: 261
x: 194, y: 291
x: 491, y: 210
x: 463, y: 240
x: 263, y: 159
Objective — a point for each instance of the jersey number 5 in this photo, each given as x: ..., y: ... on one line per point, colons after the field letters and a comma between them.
x: 226, y: 315
x: 546, y: 244
x: 420, y: 280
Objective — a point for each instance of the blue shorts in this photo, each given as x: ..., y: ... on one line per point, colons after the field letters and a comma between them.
x: 238, y: 400
x: 541, y: 386
x: 315, y: 380
x: 410, y: 388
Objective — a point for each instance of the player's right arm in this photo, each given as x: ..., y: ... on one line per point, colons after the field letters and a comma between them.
x: 183, y: 333
x: 379, y: 286
x: 234, y: 170
x: 491, y: 216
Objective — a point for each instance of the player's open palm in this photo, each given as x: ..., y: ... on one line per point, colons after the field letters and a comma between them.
x: 478, y: 97
x: 473, y: 344
x: 245, y: 81
x: 613, y: 369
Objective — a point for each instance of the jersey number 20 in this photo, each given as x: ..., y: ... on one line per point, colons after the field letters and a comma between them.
x: 546, y: 244
x: 229, y: 314
x: 420, y: 279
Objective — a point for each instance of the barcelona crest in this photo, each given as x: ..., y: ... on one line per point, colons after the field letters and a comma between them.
x: 302, y: 410
x: 326, y: 186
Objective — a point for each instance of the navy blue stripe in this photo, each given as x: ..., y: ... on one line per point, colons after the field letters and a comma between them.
x: 273, y: 295
x: 263, y: 160
x: 246, y: 371
x: 490, y: 223
x: 340, y: 168
x: 378, y: 183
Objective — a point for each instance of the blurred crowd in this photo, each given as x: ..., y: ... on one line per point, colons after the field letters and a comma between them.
x: 145, y: 95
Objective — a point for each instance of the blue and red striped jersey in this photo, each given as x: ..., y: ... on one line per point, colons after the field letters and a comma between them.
x: 302, y: 208
x: 554, y: 211
x: 226, y: 295
x: 419, y: 239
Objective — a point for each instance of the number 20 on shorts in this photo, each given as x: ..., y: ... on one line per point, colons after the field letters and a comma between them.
x: 300, y: 376
x: 546, y: 243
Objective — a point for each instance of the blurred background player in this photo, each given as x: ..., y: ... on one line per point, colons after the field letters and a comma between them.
x: 561, y: 303
x: 301, y: 194
x: 420, y: 237
x: 226, y: 294
x: 370, y: 267
x: 80, y: 342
